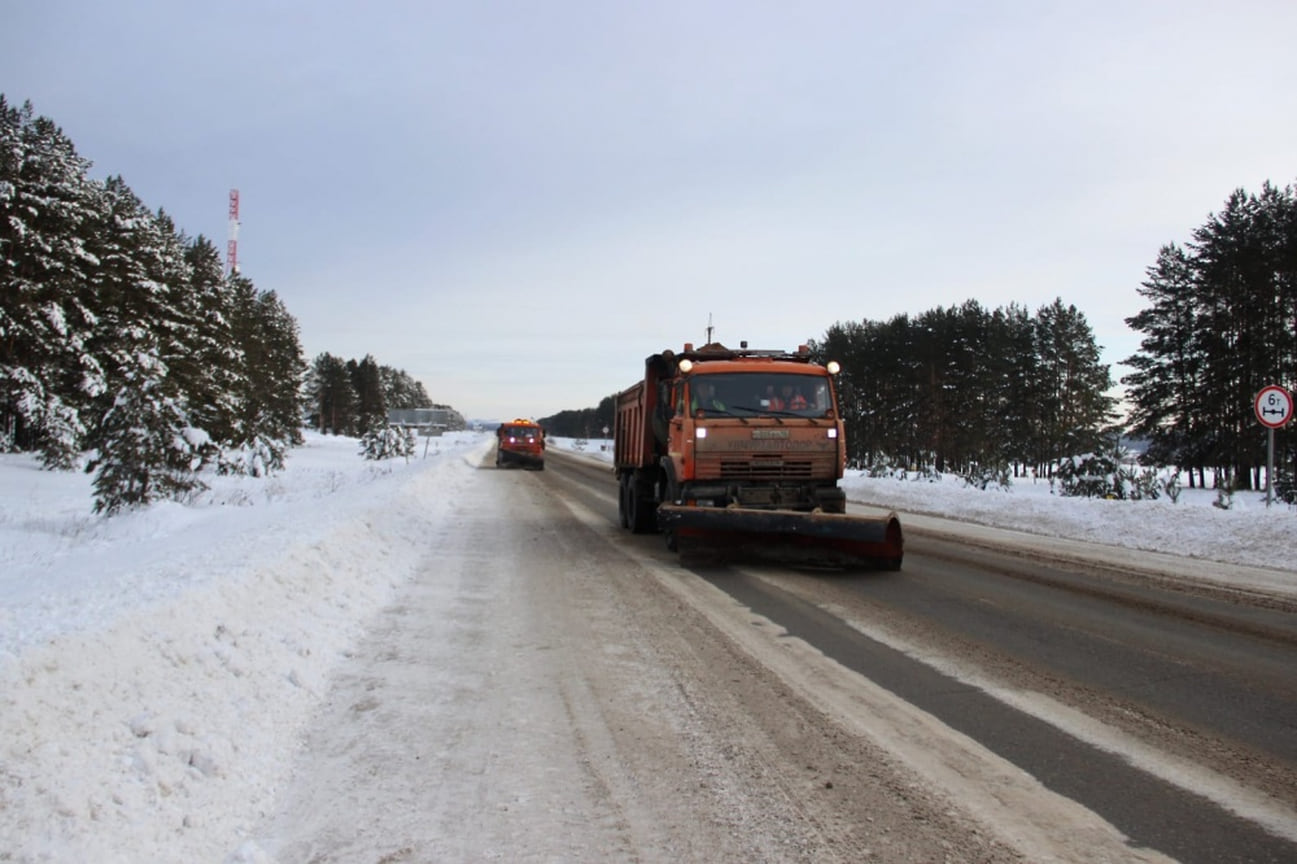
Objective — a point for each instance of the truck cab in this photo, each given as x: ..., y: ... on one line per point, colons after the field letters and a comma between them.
x: 715, y: 427
x: 759, y: 431
x: 520, y: 442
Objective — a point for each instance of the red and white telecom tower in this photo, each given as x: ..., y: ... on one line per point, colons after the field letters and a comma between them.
x: 232, y: 244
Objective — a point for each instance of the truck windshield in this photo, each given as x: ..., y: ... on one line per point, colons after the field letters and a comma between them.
x: 521, y: 432
x: 749, y: 394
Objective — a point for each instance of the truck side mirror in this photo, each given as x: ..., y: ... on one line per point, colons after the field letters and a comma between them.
x: 664, y: 408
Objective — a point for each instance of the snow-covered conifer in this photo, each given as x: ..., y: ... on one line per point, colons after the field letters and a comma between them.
x: 49, y: 210
x: 147, y: 449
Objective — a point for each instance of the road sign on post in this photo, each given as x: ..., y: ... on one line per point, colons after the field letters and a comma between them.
x: 1273, y: 406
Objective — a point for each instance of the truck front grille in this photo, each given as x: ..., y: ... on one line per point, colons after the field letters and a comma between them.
x: 758, y: 469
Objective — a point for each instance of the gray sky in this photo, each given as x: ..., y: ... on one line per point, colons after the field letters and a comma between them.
x: 518, y: 202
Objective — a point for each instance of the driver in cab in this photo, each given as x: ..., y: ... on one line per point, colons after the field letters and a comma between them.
x: 704, y: 397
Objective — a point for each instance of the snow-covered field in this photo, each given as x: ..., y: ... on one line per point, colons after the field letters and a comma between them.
x: 156, y: 668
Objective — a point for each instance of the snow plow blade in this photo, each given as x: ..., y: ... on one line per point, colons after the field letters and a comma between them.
x: 787, y: 536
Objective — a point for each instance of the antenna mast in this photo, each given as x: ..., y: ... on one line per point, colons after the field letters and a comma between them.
x: 709, y: 328
x: 232, y: 244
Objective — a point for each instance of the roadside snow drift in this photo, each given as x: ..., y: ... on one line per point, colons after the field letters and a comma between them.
x: 155, y: 668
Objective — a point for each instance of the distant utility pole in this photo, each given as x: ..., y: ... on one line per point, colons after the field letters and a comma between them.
x: 232, y: 244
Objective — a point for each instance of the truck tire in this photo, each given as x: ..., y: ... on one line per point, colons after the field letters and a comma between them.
x: 671, y: 495
x: 623, y: 507
x: 643, y: 510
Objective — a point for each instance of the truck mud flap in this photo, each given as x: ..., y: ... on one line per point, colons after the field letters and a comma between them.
x: 789, y: 536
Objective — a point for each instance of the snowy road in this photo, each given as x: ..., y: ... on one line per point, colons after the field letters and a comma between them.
x: 539, y: 694
x: 551, y: 689
x: 439, y: 661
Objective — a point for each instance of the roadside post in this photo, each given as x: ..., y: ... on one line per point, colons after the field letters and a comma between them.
x: 1273, y: 406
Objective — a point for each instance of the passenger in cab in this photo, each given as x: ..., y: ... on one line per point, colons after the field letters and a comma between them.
x: 789, y: 399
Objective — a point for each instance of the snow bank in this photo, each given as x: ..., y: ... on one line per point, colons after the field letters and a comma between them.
x: 157, y: 667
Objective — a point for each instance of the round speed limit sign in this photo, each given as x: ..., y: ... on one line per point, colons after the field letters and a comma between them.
x: 1273, y: 406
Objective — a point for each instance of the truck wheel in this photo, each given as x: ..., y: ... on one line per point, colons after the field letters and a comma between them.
x: 643, y: 511
x: 632, y: 510
x: 622, y: 515
x: 671, y: 494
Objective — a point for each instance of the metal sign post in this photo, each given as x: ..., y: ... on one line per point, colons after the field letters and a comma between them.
x: 1273, y: 406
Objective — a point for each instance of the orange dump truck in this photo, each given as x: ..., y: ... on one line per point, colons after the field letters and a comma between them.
x: 520, y: 442
x: 736, y: 451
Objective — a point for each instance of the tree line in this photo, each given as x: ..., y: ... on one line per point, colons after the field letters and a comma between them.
x: 966, y: 388
x: 582, y: 422
x: 349, y: 397
x: 121, y: 337
x: 1221, y: 324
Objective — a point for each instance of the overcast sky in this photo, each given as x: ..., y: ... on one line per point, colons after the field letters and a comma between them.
x: 518, y: 202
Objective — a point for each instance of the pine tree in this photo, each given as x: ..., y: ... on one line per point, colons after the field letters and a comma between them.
x: 1164, y: 388
x: 1220, y: 327
x: 367, y: 382
x: 401, y: 391
x: 214, y: 370
x: 841, y: 343
x: 333, y: 398
x: 1243, y: 272
x: 132, y: 304
x: 147, y: 450
x: 1016, y: 416
x: 48, y: 211
x: 282, y: 403
x: 1076, y: 411
x: 269, y: 404
x: 388, y: 442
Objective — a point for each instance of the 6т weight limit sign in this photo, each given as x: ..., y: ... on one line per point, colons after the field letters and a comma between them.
x: 1273, y: 407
